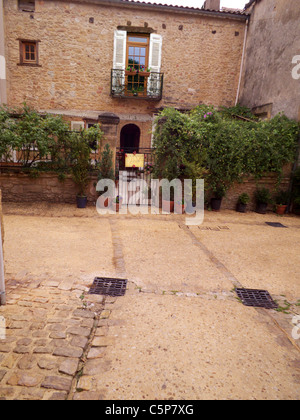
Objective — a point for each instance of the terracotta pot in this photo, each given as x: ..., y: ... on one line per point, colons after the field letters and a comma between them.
x: 167, y: 206
x: 144, y: 73
x: 130, y: 73
x: 178, y: 208
x: 280, y: 209
x: 104, y: 202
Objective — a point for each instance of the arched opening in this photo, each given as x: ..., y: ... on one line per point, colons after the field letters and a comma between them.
x: 130, y: 138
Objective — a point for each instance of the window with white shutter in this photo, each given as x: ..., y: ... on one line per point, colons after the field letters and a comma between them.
x: 134, y: 54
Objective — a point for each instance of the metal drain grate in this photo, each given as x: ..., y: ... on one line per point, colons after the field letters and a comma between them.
x: 276, y: 224
x: 108, y: 287
x: 257, y: 298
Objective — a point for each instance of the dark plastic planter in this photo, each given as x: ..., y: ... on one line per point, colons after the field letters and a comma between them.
x: 241, y: 208
x: 216, y: 204
x: 261, y: 208
x: 81, y: 202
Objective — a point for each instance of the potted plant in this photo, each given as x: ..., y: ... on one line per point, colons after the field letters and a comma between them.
x: 179, y: 207
x: 262, y: 198
x: 105, y: 168
x: 143, y: 71
x: 296, y: 205
x: 281, y: 201
x: 117, y: 203
x: 130, y: 71
x: 218, y: 194
x: 243, y: 200
x: 80, y: 167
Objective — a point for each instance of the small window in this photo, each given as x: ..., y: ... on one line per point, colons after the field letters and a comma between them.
x: 26, y: 5
x: 28, y: 52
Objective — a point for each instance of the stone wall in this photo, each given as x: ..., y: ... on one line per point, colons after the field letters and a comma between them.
x: 47, y: 187
x: 271, y: 83
x: 19, y: 187
x: 201, y: 55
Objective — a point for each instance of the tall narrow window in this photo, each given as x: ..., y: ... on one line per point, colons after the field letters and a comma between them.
x: 137, y: 55
x: 28, y: 52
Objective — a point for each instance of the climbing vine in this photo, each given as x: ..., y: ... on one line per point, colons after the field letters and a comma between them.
x: 227, y: 144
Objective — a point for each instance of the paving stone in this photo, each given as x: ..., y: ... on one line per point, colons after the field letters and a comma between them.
x: 78, y: 341
x: 24, y: 379
x: 58, y: 396
x: 22, y: 349
x: 2, y: 374
x: 57, y: 382
x: 86, y: 383
x: 79, y: 331
x: 68, y: 351
x: 96, y: 353
x: 83, y: 313
x: 43, y: 350
x: 27, y: 362
x: 24, y: 342
x: 47, y: 363
x: 96, y: 366
x: 105, y: 314
x: 69, y: 366
x: 58, y: 335
x: 103, y: 341
x: 88, y: 396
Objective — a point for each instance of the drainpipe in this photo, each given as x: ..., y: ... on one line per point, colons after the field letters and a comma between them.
x: 3, y: 95
x: 242, y: 63
x: 2, y: 280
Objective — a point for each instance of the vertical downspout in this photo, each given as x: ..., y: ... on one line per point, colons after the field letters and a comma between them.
x: 242, y: 63
x: 3, y: 94
x: 2, y: 279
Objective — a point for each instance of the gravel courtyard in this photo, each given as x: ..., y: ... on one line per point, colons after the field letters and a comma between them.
x: 179, y: 332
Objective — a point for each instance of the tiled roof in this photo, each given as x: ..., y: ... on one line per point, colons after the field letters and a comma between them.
x: 223, y: 11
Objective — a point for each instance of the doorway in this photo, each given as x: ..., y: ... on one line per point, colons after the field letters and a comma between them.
x: 130, y: 138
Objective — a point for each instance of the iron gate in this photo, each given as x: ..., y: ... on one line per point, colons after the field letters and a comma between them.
x: 126, y: 174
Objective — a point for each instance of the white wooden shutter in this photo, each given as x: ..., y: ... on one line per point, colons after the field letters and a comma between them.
x: 153, y: 85
x: 119, y: 62
x: 119, y: 50
x: 155, y: 52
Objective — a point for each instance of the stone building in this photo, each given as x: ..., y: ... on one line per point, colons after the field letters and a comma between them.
x: 271, y: 77
x: 70, y: 57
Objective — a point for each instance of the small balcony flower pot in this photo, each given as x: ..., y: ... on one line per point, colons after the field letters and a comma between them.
x: 144, y: 73
x: 130, y: 73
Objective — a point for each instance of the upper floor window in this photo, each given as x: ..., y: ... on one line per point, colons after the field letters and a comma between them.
x: 26, y: 5
x: 29, y: 52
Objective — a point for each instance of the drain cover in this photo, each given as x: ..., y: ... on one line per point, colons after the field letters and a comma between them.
x: 257, y: 298
x: 108, y: 287
x: 276, y: 224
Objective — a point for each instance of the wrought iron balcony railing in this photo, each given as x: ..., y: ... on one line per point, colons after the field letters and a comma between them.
x: 142, y: 85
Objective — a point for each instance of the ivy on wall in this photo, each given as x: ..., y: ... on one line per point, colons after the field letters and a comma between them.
x: 225, y: 145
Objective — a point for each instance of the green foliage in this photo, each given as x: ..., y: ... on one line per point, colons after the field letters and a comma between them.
x: 105, y: 166
x: 31, y: 134
x: 263, y: 196
x: 282, y: 198
x: 244, y: 198
x: 225, y: 148
x: 81, y: 162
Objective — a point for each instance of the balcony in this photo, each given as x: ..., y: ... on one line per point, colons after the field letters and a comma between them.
x: 141, y: 85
